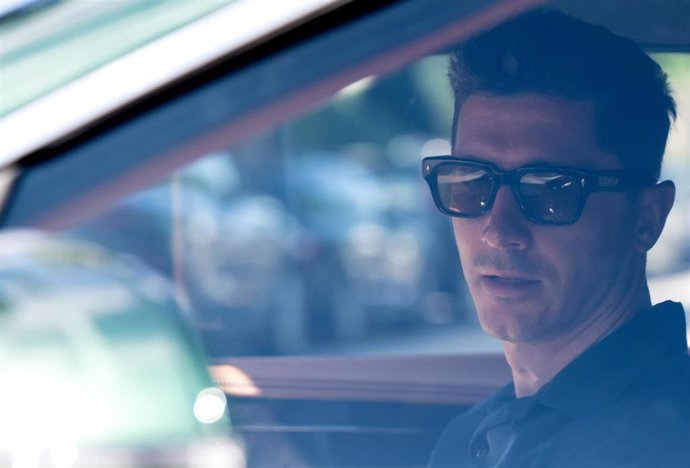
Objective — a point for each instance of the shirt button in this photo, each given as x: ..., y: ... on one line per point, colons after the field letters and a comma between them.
x: 480, y: 450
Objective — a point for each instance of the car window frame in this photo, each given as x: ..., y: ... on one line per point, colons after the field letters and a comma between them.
x: 90, y: 170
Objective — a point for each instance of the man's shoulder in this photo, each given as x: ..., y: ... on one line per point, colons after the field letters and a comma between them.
x: 660, y: 388
x: 661, y: 393
x: 647, y: 425
x: 652, y: 416
x: 665, y: 378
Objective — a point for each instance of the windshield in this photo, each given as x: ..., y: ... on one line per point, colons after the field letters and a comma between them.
x: 46, y: 44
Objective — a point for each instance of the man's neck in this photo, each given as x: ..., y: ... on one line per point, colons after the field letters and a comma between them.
x: 535, y: 363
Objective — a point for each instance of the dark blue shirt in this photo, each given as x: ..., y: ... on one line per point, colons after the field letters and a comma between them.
x: 624, y: 402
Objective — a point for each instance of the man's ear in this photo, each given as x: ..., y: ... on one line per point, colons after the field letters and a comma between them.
x: 654, y: 205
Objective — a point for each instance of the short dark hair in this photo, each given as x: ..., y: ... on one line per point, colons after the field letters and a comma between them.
x: 546, y: 51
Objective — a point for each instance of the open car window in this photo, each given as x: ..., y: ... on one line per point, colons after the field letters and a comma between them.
x: 319, y: 237
x: 313, y: 233
x: 316, y: 235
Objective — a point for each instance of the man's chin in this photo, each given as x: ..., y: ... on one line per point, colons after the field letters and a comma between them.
x: 510, y: 325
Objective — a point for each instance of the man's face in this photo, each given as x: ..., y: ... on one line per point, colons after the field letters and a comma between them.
x: 533, y: 282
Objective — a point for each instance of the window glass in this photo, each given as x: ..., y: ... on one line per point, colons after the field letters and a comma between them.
x: 321, y: 237
x: 75, y: 37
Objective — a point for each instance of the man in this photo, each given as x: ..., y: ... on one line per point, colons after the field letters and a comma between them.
x: 559, y: 131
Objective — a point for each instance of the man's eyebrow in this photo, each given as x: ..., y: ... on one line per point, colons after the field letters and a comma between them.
x: 532, y: 163
x: 542, y: 162
x: 469, y: 157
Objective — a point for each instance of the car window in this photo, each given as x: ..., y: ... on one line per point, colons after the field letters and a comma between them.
x: 319, y: 233
x: 320, y: 236
x: 270, y: 235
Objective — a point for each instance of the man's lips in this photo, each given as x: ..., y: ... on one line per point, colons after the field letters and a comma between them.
x: 508, y: 284
x: 509, y: 280
x: 508, y: 276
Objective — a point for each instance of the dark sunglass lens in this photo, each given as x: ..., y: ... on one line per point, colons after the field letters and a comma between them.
x: 550, y: 197
x: 464, y: 190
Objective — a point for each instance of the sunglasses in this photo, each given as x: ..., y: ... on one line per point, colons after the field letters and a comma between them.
x: 465, y: 188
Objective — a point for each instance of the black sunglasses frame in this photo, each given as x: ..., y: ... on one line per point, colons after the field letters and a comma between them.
x: 589, y: 181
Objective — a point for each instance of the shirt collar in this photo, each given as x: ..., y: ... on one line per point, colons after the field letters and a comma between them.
x: 598, y: 377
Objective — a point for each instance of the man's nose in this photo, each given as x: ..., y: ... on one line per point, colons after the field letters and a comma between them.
x: 506, y: 227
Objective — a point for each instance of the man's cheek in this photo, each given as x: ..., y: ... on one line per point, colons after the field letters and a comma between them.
x: 467, y: 243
